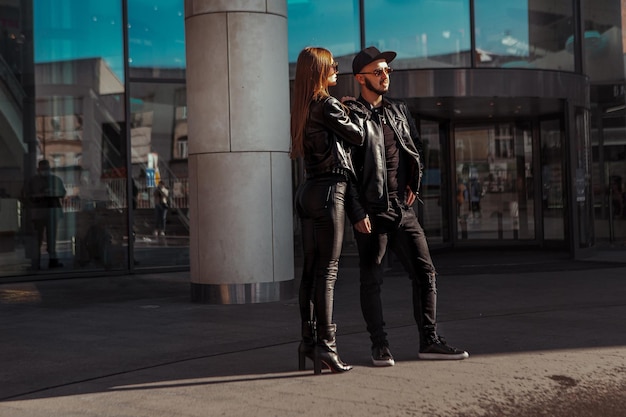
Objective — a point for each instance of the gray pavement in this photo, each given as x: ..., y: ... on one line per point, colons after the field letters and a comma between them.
x: 546, y: 336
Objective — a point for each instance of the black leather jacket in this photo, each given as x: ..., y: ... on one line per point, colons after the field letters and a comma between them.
x: 329, y: 132
x: 369, y: 160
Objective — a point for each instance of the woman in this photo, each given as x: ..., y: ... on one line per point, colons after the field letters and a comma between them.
x: 322, y: 132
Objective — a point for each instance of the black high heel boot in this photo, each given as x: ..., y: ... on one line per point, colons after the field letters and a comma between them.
x: 326, y: 351
x: 306, y: 349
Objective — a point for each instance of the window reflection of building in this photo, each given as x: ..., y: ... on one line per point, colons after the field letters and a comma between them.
x: 159, y: 152
x: 180, y: 129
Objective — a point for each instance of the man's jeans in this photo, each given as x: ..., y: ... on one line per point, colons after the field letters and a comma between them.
x: 399, y: 231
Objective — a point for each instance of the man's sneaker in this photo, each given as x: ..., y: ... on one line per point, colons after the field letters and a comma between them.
x: 436, y: 348
x: 381, y: 356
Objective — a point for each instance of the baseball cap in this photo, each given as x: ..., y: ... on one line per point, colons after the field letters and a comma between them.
x: 369, y: 55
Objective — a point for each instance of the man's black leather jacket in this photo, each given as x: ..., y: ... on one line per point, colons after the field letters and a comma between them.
x: 329, y: 132
x: 369, y: 159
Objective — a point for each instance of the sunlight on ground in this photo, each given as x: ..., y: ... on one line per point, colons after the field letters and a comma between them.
x: 20, y: 294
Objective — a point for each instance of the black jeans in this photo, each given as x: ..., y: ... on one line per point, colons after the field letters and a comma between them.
x: 320, y: 205
x: 399, y: 231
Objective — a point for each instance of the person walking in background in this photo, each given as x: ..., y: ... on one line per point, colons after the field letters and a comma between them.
x: 321, y: 133
x: 161, y: 205
x: 475, y: 192
x: 43, y: 198
x: 461, y: 190
x: 389, y: 177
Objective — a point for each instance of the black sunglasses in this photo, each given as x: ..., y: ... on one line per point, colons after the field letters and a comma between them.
x: 379, y: 71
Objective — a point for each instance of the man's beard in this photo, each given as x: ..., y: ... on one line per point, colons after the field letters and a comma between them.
x: 371, y: 87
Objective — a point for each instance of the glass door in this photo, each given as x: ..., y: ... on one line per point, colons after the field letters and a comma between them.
x: 552, y: 175
x: 494, y: 182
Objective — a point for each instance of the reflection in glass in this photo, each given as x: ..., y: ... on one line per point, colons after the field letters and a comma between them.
x: 432, y: 219
x: 424, y: 33
x: 65, y: 194
x: 603, y: 42
x: 552, y: 180
x: 156, y: 38
x: 582, y: 181
x: 159, y: 156
x: 331, y: 24
x: 74, y: 30
x: 494, y: 180
x: 524, y: 34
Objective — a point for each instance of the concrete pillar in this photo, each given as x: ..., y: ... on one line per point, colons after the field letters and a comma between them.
x: 241, y: 238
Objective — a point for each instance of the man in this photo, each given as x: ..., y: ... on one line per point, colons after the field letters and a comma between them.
x: 389, y: 173
x: 161, y: 205
x: 44, y: 194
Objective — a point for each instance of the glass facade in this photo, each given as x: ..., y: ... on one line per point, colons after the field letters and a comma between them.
x: 98, y: 91
x: 156, y: 39
x: 67, y: 157
x: 605, y: 48
x: 524, y: 34
x: 424, y: 33
x: 328, y: 23
x: 158, y: 130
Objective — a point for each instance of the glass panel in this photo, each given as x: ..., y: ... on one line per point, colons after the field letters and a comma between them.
x: 552, y: 173
x: 604, y: 63
x: 609, y: 177
x: 582, y: 179
x: 432, y: 219
x: 156, y: 38
x: 330, y: 24
x: 604, y: 53
x: 524, y: 34
x: 159, y: 153
x: 68, y: 30
x: 74, y: 213
x: 424, y: 33
x: 494, y: 182
x: 17, y: 125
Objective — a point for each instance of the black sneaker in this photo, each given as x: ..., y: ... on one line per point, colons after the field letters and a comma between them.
x: 436, y: 348
x: 381, y: 356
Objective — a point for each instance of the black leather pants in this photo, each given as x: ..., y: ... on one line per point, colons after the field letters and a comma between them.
x: 320, y: 205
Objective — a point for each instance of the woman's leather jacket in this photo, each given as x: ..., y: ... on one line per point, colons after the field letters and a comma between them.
x: 369, y: 160
x: 329, y: 134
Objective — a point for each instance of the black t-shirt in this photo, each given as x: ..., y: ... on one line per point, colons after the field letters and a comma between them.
x: 397, y: 168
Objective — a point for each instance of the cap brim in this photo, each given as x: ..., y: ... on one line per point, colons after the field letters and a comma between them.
x: 388, y: 56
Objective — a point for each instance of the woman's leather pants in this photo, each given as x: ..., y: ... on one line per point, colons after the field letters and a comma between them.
x: 320, y: 204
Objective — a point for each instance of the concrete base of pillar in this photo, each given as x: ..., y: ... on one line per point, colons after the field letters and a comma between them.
x: 258, y: 292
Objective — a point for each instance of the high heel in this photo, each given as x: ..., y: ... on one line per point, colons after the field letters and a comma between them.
x: 307, y: 345
x: 325, y: 352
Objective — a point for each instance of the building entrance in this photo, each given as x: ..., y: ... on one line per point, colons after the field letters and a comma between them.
x: 494, y: 182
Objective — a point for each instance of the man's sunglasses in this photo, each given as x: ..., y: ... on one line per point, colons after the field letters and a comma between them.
x: 379, y: 71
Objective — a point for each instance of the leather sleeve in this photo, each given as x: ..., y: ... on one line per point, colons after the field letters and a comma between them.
x: 354, y: 209
x: 338, y: 120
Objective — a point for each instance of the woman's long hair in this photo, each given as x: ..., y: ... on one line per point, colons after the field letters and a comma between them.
x: 313, y: 68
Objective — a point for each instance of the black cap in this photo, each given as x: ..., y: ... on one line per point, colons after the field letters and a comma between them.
x: 369, y: 55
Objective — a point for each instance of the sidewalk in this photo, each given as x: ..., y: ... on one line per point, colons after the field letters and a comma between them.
x: 545, y: 335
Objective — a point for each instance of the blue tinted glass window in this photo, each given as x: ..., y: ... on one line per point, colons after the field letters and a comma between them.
x: 424, y: 33
x: 330, y: 24
x: 524, y: 34
x: 604, y: 41
x: 156, y: 34
x: 66, y: 30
